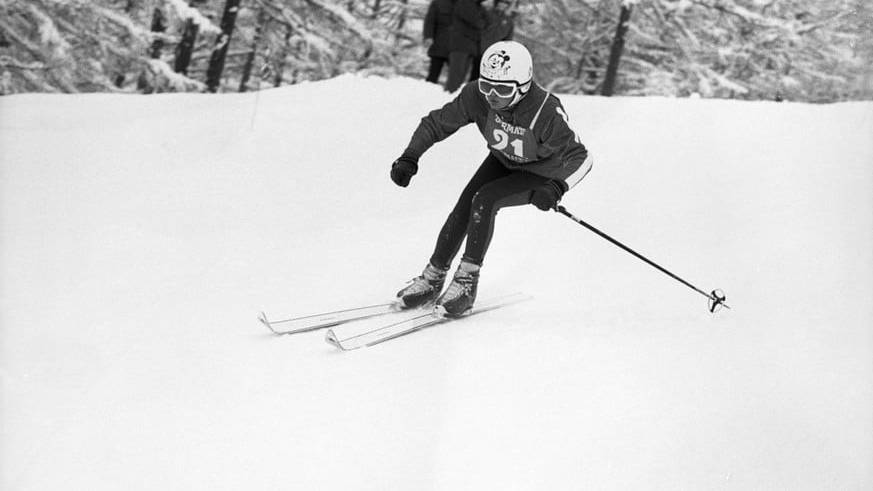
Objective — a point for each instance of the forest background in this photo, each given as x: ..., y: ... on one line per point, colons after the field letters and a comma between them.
x: 797, y: 50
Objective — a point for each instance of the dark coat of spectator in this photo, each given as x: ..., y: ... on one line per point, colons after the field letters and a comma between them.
x: 468, y: 20
x: 500, y: 25
x: 437, y: 23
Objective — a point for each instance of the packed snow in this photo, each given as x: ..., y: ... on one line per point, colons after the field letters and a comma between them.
x: 140, y: 236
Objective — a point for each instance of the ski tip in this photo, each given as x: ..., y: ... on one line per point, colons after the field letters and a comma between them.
x: 265, y: 321
x: 331, y: 339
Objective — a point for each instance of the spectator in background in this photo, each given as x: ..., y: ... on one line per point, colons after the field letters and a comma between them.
x: 437, y: 23
x: 468, y: 21
x: 499, y: 26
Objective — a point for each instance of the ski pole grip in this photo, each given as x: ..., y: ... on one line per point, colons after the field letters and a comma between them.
x: 560, y: 209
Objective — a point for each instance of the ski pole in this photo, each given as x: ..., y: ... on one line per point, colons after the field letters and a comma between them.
x: 716, y: 298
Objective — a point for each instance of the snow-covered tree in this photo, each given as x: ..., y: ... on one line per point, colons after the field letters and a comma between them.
x: 815, y: 50
x: 313, y: 39
x: 83, y: 45
x: 810, y: 50
x: 51, y: 50
x: 570, y: 41
x: 744, y: 48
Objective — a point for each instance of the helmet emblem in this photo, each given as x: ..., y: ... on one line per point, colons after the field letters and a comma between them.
x: 498, y: 62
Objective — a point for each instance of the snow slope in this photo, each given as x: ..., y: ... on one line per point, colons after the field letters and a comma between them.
x: 141, y: 235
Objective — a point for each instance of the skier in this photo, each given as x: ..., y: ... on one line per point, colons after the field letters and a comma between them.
x: 534, y: 157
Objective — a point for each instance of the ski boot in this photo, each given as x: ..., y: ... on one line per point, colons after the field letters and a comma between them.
x: 459, y: 296
x: 424, y: 288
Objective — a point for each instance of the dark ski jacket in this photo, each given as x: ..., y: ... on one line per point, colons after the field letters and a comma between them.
x: 533, y: 136
x: 437, y: 23
x: 468, y: 21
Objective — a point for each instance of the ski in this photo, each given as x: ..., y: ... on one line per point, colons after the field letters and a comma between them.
x: 355, y: 337
x: 327, y: 319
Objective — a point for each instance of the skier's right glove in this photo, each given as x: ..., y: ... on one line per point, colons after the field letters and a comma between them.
x: 403, y: 169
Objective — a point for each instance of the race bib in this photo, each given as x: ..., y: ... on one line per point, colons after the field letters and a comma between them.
x: 516, y: 143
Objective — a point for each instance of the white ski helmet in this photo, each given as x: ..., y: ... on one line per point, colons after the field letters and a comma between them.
x: 508, y: 61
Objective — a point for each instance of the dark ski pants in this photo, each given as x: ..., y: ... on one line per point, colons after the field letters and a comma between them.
x: 492, y: 187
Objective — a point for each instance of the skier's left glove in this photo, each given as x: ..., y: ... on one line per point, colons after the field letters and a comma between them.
x: 547, y: 195
x: 403, y: 169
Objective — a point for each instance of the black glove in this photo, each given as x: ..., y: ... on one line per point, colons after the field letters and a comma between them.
x: 547, y: 195
x: 403, y: 169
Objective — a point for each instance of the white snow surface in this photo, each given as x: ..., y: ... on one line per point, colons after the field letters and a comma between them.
x: 141, y: 235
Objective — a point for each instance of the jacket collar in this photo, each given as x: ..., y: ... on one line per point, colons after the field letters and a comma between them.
x: 525, y: 109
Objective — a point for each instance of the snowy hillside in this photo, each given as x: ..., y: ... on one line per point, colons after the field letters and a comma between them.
x: 141, y: 235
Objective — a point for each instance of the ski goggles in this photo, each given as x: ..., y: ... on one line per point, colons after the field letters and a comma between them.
x: 502, y: 89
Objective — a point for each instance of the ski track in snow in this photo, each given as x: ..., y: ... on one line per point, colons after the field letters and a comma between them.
x: 141, y: 235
